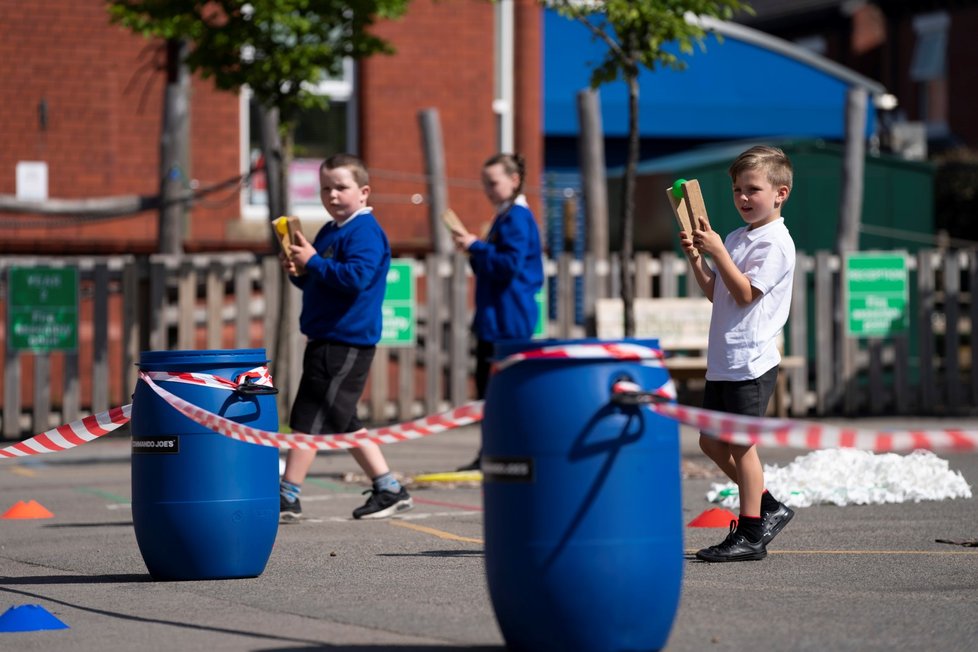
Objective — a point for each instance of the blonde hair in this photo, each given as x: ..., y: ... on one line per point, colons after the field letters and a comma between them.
x: 357, y: 167
x: 772, y: 160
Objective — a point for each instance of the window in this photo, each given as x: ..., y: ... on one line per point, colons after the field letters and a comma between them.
x: 318, y: 134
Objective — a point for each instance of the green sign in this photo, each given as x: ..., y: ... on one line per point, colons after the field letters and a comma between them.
x: 877, y: 294
x: 541, y: 298
x: 400, y: 305
x: 42, y: 308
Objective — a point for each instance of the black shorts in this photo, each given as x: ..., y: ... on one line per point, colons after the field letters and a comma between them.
x: 749, y: 397
x: 333, y: 378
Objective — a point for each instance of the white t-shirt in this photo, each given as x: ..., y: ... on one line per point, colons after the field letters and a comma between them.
x: 744, y: 339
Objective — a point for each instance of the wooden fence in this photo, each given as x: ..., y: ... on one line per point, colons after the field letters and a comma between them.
x: 237, y: 300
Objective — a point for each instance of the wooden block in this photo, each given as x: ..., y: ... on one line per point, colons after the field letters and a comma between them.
x: 693, y: 199
x: 679, y: 210
x: 690, y: 205
x: 285, y: 229
x: 450, y: 219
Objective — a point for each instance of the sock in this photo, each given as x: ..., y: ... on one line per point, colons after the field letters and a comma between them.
x: 768, y: 502
x: 387, y: 482
x: 750, y: 527
x: 289, y: 491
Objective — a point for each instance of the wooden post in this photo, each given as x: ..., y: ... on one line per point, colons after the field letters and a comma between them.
x: 100, y: 339
x: 434, y: 162
x: 594, y: 188
x: 925, y: 307
x: 174, y: 150
x: 435, y: 298
x: 825, y: 358
x: 952, y: 298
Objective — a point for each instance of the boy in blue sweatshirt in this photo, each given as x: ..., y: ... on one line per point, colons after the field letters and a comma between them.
x: 342, y: 274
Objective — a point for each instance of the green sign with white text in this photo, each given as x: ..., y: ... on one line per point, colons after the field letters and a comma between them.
x: 42, y: 309
x: 400, y: 305
x: 877, y: 294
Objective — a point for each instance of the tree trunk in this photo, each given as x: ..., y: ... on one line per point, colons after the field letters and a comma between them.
x: 628, y: 206
x: 174, y: 151
x: 277, y: 157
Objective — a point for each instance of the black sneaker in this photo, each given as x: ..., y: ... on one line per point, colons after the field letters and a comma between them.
x: 735, y: 547
x: 382, y: 504
x: 289, y: 511
x: 774, y: 521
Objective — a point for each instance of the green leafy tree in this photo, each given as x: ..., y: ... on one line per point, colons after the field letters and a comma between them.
x: 637, y: 33
x: 277, y: 48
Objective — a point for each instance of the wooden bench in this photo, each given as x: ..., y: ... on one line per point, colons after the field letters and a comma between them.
x: 682, y: 326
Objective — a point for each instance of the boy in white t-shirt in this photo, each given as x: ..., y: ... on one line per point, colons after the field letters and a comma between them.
x: 749, y: 284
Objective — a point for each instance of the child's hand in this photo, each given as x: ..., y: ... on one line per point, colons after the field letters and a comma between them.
x: 463, y: 240
x: 288, y: 265
x: 686, y: 242
x: 301, y: 250
x: 705, y: 239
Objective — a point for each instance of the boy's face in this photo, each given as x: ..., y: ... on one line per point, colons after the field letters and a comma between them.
x: 498, y: 185
x: 757, y: 201
x: 340, y: 194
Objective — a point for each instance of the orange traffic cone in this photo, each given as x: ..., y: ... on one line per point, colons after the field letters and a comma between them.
x: 713, y: 517
x: 31, y: 509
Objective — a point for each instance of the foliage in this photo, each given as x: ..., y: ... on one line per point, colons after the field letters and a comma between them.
x: 275, y: 47
x: 637, y: 31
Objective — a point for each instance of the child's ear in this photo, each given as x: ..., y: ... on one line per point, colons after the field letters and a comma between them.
x: 783, y: 193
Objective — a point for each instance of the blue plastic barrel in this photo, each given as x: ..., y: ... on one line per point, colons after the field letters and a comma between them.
x: 583, y: 514
x: 204, y: 506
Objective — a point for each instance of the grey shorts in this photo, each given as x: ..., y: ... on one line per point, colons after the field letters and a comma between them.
x: 333, y: 378
x: 749, y: 397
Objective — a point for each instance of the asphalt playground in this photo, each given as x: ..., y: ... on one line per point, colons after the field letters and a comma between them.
x: 857, y: 578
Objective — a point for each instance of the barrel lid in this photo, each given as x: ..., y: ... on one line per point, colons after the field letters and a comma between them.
x: 163, y: 360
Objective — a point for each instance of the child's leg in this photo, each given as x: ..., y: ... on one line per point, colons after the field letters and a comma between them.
x: 750, y: 472
x: 371, y: 460
x: 719, y: 452
x: 715, y: 398
x: 297, y: 464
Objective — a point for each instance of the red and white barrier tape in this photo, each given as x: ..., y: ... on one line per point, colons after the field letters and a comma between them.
x: 92, y: 427
x: 70, y: 435
x: 461, y: 416
x: 736, y: 429
x: 615, y: 350
x: 787, y: 433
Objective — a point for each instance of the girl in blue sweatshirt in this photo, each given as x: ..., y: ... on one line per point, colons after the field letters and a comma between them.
x: 508, y: 266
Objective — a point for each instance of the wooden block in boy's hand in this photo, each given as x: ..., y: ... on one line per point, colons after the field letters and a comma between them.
x: 285, y: 229
x: 681, y: 205
x: 693, y: 199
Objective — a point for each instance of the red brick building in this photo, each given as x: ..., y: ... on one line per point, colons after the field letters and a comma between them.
x: 85, y: 98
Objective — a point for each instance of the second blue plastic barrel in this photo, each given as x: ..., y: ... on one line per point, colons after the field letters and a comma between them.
x: 204, y: 506
x: 583, y: 515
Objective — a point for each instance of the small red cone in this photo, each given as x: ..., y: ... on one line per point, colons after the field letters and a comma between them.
x: 713, y: 517
x: 30, y: 509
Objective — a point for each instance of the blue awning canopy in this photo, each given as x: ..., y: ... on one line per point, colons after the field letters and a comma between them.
x: 745, y: 84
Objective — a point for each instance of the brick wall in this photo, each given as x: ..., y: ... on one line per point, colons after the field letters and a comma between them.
x: 103, y: 89
x: 103, y: 95
x: 444, y: 60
